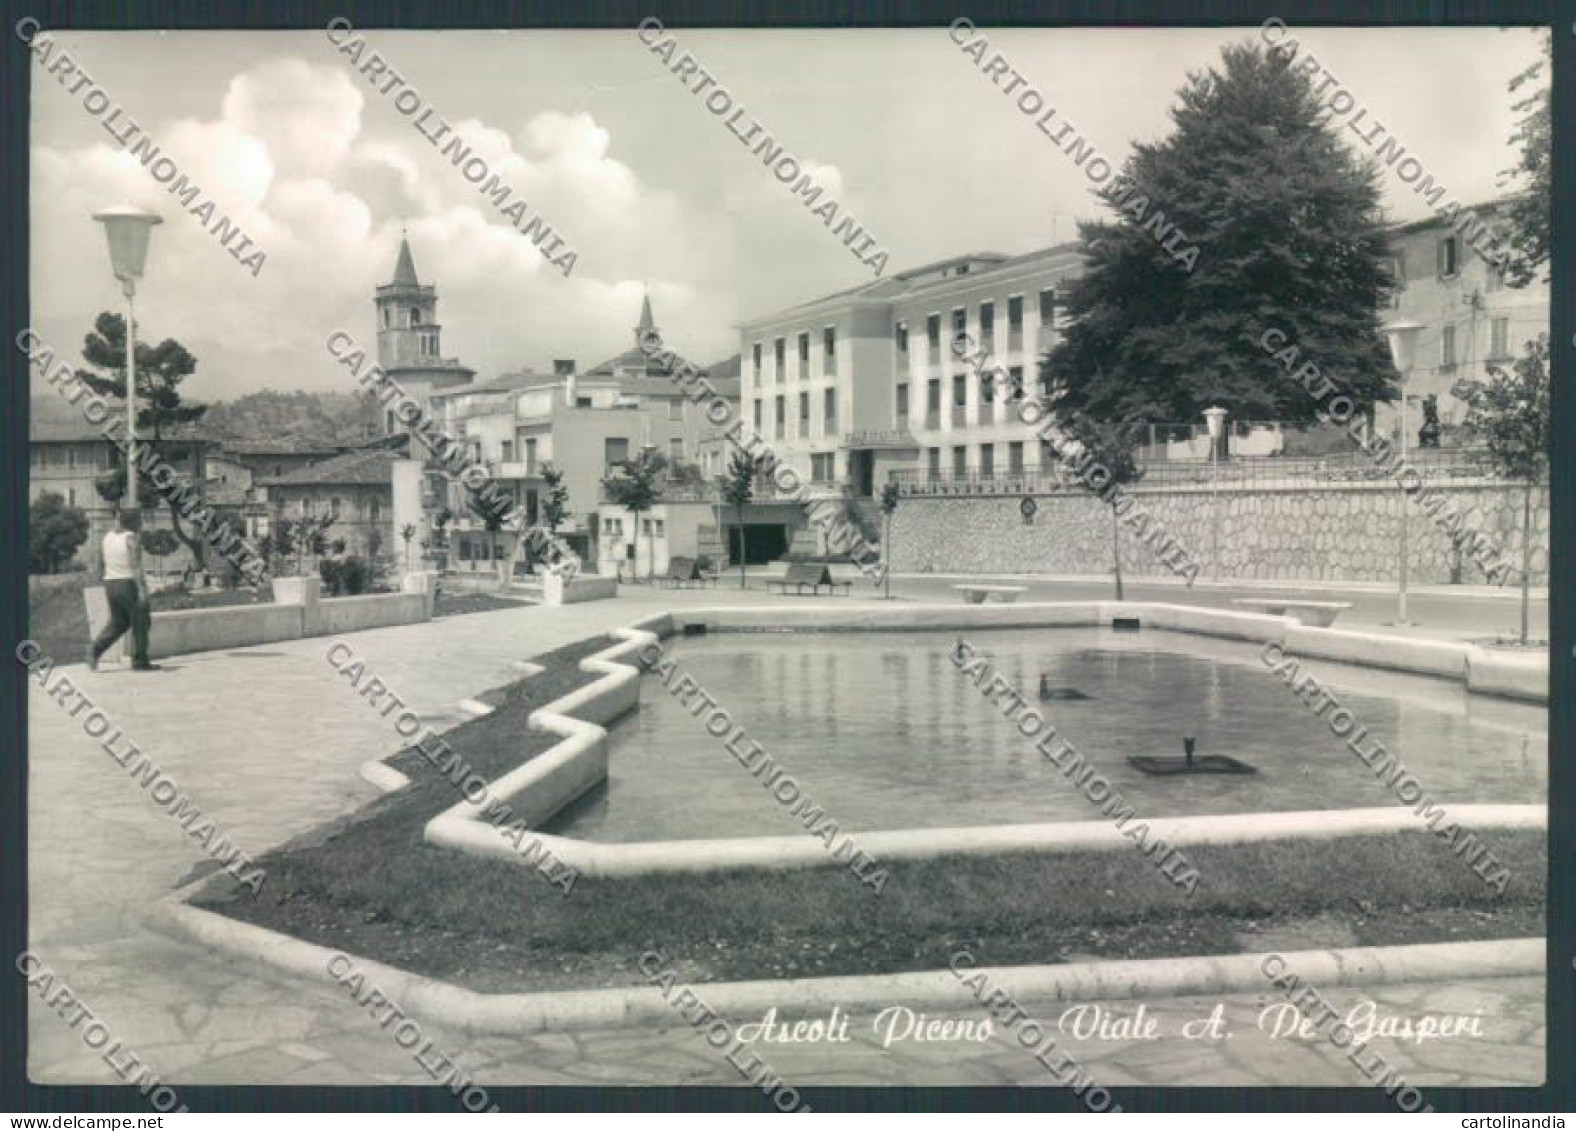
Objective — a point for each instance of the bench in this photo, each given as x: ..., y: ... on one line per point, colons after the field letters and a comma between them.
x: 979, y: 594
x: 1314, y: 614
x: 812, y: 574
x: 684, y: 571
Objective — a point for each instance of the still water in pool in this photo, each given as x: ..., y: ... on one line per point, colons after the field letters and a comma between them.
x: 884, y: 732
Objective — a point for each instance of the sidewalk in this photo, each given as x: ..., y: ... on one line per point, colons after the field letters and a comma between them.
x: 267, y: 740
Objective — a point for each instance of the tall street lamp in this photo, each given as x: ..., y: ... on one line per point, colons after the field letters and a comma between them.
x: 1215, y: 420
x: 127, y: 230
x: 1402, y: 337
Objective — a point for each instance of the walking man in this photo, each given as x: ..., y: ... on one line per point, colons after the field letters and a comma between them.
x: 127, y: 591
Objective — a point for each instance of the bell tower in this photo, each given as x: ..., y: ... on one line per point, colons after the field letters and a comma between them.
x: 410, y: 340
x: 409, y: 335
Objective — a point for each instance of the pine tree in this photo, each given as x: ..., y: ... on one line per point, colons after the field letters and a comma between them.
x: 1287, y: 224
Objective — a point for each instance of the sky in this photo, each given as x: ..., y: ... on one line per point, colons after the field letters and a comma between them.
x: 324, y: 174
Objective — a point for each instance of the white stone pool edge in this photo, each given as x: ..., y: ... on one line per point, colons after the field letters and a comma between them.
x: 553, y: 779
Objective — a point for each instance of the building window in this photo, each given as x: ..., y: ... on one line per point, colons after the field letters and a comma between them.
x: 780, y: 356
x: 1015, y: 314
x: 71, y: 456
x: 1499, y: 337
x: 821, y: 469
x: 1447, y: 257
x: 804, y: 414
x: 582, y: 402
x: 933, y: 337
x: 900, y: 334
x: 375, y: 510
x: 415, y: 316
x: 960, y: 322
x: 987, y: 326
x: 675, y: 450
x: 804, y: 352
x: 333, y: 506
x: 1398, y: 267
x: 530, y: 457
x: 902, y: 405
x: 960, y: 391
x: 388, y: 426
x: 829, y: 351
x: 675, y: 409
x: 829, y: 412
x: 1015, y: 379
x: 933, y: 462
x: 1015, y: 458
x: 71, y: 496
x: 615, y: 450
x: 506, y: 451
x: 1447, y: 347
x: 987, y: 461
x: 960, y: 462
x: 757, y: 355
x: 933, y: 403
x: 1048, y: 308
x: 782, y: 411
x: 758, y: 422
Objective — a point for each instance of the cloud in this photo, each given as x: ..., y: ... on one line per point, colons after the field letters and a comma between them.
x: 324, y: 180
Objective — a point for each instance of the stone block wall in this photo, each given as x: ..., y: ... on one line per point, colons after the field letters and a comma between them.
x: 1332, y: 532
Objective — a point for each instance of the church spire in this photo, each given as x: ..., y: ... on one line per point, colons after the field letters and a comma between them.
x: 405, y: 268
x: 647, y: 323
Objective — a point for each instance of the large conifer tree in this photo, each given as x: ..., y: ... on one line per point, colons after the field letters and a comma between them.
x: 1289, y: 232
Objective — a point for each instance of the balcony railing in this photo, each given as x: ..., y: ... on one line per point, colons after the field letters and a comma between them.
x: 1352, y: 467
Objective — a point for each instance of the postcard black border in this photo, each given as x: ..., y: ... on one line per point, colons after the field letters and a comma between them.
x: 17, y: 1094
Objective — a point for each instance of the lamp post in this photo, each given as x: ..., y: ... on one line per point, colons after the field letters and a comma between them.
x: 1402, y: 337
x: 127, y: 230
x: 1215, y: 419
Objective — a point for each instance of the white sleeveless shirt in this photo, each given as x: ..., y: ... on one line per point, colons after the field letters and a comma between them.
x: 117, y: 555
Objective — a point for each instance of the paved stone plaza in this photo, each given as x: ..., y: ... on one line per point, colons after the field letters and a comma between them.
x: 268, y: 745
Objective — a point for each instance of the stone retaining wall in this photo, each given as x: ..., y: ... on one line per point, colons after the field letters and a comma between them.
x: 1335, y: 532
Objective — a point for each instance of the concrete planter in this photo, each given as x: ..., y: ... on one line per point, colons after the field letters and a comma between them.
x: 297, y: 590
x: 557, y: 591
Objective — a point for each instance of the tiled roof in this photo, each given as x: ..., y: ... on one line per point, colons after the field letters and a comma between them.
x: 280, y: 446
x: 367, y: 467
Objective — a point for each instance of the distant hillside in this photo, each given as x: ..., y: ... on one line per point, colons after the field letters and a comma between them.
x: 326, y: 418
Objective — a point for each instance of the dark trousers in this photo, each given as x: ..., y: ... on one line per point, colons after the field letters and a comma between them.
x: 126, y: 610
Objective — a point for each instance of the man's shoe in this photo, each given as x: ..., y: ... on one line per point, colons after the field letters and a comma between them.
x: 147, y: 667
x: 92, y: 662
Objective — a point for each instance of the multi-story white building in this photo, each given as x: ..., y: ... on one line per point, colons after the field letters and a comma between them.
x: 864, y: 383
x: 1470, y: 318
x: 859, y: 384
